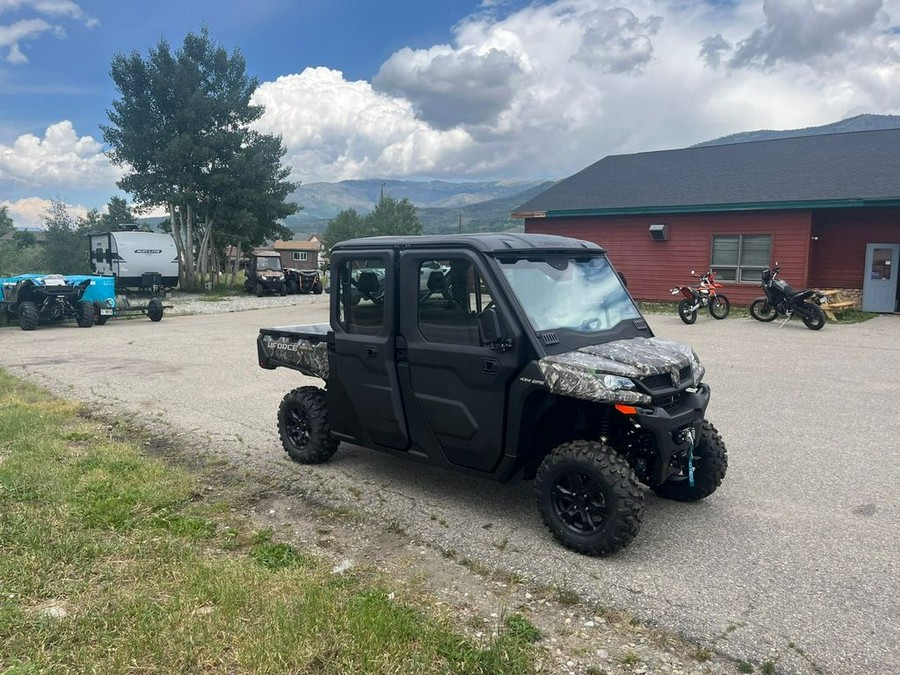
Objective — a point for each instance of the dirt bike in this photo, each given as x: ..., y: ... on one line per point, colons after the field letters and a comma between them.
x: 704, y: 294
x: 782, y: 300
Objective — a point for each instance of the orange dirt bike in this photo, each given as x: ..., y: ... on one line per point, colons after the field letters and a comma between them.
x: 704, y: 294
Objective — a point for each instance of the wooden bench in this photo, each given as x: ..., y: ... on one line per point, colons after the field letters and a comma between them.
x: 836, y: 303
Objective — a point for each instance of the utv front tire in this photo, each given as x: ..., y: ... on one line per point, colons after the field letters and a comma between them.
x: 684, y: 311
x: 29, y: 317
x: 710, y: 465
x: 303, y: 426
x: 589, y: 498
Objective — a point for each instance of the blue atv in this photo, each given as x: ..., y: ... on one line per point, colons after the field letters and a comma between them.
x: 37, y: 298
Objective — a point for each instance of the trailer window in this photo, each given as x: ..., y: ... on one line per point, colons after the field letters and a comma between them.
x: 361, y: 296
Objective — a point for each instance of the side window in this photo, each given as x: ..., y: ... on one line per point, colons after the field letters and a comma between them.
x: 361, y: 296
x: 741, y: 257
x: 451, y: 295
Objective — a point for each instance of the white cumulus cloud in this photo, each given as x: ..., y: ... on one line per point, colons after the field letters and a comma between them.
x: 29, y: 212
x: 24, y: 30
x: 549, y: 88
x: 335, y: 129
x: 60, y: 159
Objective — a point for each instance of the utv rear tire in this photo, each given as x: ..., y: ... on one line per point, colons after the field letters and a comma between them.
x: 814, y: 317
x: 303, y: 426
x: 719, y: 307
x: 292, y: 287
x: 155, y: 310
x: 761, y: 310
x: 684, y: 311
x: 710, y: 465
x: 317, y: 288
x: 589, y: 498
x: 29, y: 317
x: 84, y: 314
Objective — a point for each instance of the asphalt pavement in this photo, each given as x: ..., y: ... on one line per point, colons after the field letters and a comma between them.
x: 794, y: 559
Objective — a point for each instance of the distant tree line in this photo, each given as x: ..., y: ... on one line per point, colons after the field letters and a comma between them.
x: 64, y: 249
x: 389, y: 217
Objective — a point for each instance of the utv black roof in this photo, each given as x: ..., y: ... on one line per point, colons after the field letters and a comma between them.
x: 485, y: 243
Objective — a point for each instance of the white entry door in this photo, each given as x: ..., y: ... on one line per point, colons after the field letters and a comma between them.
x: 880, y: 281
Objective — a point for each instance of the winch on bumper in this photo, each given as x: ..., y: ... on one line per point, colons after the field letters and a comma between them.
x: 675, y: 428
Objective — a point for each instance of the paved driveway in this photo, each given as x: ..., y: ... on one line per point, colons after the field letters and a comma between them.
x: 795, y: 558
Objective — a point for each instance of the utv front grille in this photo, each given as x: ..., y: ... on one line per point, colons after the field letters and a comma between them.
x: 664, y: 380
x: 667, y: 402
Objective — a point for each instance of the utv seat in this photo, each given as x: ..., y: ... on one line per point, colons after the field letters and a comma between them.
x: 368, y: 286
x: 437, y: 284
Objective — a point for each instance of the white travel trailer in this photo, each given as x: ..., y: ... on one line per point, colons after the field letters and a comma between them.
x: 144, y: 260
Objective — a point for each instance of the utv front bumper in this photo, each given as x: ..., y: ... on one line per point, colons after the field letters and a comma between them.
x: 674, y: 427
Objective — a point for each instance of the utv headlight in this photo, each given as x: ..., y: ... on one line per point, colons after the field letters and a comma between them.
x: 697, y: 369
x: 615, y: 382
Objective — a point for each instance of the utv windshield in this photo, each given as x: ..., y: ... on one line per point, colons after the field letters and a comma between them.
x: 579, y: 293
x: 268, y: 263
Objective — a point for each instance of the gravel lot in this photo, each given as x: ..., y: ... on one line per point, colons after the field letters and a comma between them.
x: 793, y: 560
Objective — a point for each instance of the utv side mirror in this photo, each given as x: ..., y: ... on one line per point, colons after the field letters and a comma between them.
x: 491, y: 330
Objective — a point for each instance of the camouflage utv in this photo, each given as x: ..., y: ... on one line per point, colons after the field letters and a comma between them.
x: 505, y: 356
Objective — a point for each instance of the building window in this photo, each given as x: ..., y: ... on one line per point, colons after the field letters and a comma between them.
x: 299, y: 256
x: 741, y: 257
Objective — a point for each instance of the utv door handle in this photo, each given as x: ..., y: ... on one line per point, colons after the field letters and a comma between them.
x: 370, y: 351
x: 489, y: 366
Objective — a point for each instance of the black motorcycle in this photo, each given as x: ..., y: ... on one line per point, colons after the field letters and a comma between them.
x: 782, y: 300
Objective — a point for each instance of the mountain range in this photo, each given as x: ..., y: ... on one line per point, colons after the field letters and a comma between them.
x: 485, y: 206
x: 440, y: 205
x: 858, y: 123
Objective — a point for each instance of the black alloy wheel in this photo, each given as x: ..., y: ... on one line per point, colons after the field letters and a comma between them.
x: 589, y: 497
x: 303, y: 426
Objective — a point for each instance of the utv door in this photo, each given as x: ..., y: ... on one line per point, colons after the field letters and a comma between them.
x: 455, y: 388
x: 363, y: 397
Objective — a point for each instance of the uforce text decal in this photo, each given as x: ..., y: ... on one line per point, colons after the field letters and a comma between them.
x: 148, y: 250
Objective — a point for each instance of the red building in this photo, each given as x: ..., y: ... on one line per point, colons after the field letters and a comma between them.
x: 826, y: 208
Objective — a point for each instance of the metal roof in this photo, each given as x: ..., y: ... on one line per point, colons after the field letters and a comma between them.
x: 834, y: 170
x: 487, y: 243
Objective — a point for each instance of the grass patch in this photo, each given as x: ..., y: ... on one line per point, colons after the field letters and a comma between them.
x: 111, y: 562
x: 852, y: 316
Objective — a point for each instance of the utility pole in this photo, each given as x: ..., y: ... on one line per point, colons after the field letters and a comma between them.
x: 460, y: 222
x: 382, y: 192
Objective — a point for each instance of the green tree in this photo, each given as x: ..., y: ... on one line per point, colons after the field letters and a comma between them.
x: 117, y: 213
x: 392, y: 217
x: 24, y: 238
x: 346, y: 225
x: 60, y: 248
x: 182, y: 128
x: 6, y: 223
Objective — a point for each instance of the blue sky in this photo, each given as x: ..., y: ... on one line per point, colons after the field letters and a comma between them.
x: 456, y: 89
